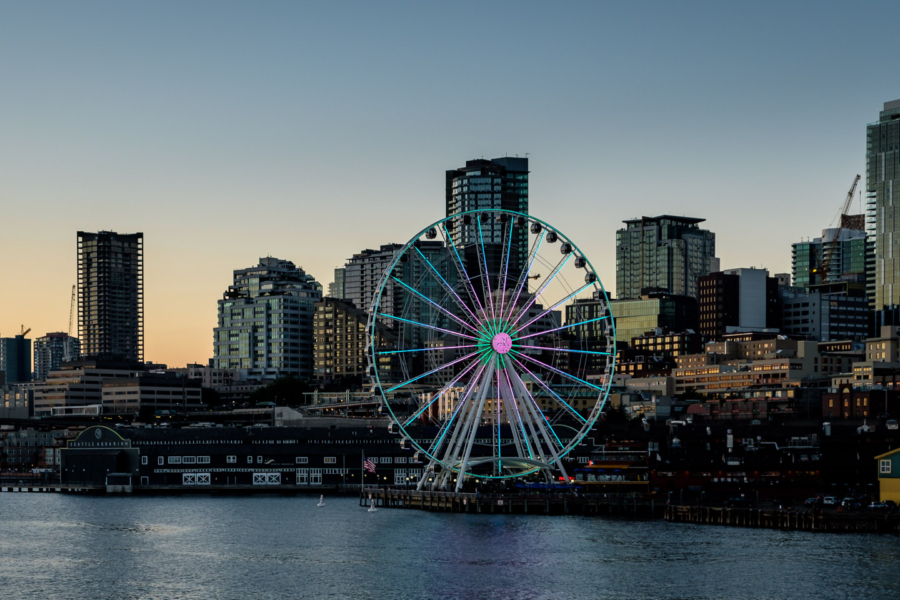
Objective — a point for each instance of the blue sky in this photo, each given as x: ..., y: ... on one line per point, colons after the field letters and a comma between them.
x: 226, y: 131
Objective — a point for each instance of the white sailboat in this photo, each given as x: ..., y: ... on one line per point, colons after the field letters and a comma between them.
x: 321, y: 501
x: 372, y: 506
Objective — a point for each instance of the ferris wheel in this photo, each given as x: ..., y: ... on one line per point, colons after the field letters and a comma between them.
x: 491, y: 345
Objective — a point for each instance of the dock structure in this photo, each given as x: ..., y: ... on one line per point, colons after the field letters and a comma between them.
x: 51, y: 488
x: 532, y: 503
x: 794, y: 520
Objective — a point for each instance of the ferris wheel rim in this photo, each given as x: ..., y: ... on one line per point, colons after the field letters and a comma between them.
x: 375, y: 375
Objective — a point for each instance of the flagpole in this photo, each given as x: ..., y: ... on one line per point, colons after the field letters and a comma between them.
x: 362, y: 474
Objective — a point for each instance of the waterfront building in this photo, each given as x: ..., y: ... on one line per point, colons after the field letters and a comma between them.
x: 265, y: 319
x: 499, y: 183
x: 15, y: 358
x: 889, y: 476
x: 111, y: 295
x: 321, y: 451
x: 79, y: 384
x: 882, y: 220
x: 738, y: 300
x: 664, y: 253
x: 150, y: 392
x: 842, y: 251
x: 51, y: 350
x: 340, y: 342
x: 652, y: 311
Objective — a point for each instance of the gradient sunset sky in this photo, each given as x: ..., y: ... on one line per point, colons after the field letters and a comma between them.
x: 226, y: 131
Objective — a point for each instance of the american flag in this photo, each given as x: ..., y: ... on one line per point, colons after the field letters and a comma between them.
x: 369, y: 465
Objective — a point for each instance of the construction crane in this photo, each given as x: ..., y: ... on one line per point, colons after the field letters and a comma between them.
x: 824, y: 271
x: 24, y: 331
x: 71, y: 311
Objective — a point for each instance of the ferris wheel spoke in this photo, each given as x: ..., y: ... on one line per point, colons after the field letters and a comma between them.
x: 438, y: 306
x: 435, y: 447
x: 438, y: 277
x: 502, y: 283
x: 465, y: 441
x: 442, y: 392
x: 555, y: 370
x: 433, y: 371
x: 534, y: 296
x: 523, y: 277
x: 566, y: 350
x: 436, y: 348
x: 426, y: 326
x: 542, y: 423
x: 554, y: 307
x: 540, y: 382
x: 567, y: 326
x: 485, y: 275
x: 465, y: 409
x: 461, y: 270
x: 518, y: 420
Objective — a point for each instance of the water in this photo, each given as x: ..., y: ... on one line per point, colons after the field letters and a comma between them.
x: 60, y: 547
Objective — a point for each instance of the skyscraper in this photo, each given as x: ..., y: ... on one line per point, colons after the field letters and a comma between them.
x: 499, y: 183
x: 663, y: 253
x: 51, y: 351
x: 336, y: 288
x: 111, y: 294
x: 882, y: 215
x: 266, y: 319
x: 15, y: 358
x: 842, y: 252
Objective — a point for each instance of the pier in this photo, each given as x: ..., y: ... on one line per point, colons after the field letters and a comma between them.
x: 622, y: 505
x: 791, y: 520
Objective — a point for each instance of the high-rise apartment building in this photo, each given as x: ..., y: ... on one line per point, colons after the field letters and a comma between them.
x: 882, y: 214
x: 111, y: 294
x: 663, y: 253
x: 266, y: 319
x: 499, y: 183
x: 340, y: 342
x: 51, y: 350
x: 15, y: 358
x: 840, y: 252
x: 364, y: 271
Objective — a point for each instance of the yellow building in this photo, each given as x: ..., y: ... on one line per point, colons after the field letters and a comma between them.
x: 889, y: 475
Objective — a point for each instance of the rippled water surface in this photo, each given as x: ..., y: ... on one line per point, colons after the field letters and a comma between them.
x: 55, y: 546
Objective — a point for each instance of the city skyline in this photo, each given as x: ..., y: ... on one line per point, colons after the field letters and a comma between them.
x: 222, y: 150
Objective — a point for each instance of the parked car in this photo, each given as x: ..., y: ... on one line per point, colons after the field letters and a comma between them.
x: 892, y: 424
x: 829, y: 501
x: 811, y: 502
x: 851, y: 504
x: 890, y: 504
x: 878, y: 506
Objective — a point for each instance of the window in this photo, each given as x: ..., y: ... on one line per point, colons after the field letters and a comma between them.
x: 159, y: 460
x: 400, y: 460
x: 174, y: 460
x: 143, y: 460
x: 189, y: 460
x: 249, y: 460
x: 301, y: 460
x: 884, y: 466
x: 202, y: 460
x: 386, y: 460
x: 231, y: 459
x: 330, y: 460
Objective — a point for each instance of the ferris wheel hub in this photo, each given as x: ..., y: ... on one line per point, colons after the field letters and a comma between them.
x: 501, y: 343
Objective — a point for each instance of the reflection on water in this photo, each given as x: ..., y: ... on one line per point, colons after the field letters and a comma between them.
x: 55, y: 546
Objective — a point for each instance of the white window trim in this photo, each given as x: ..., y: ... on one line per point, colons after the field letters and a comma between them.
x: 330, y: 460
x: 885, y: 466
x: 143, y: 460
x: 302, y: 460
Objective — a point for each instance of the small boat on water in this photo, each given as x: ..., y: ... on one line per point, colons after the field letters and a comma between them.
x: 372, y: 506
x: 321, y: 501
